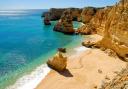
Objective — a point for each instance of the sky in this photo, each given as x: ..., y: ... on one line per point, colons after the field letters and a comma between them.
x: 46, y: 4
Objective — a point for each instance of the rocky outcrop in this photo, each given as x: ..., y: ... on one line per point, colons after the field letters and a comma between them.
x: 88, y: 44
x: 59, y: 62
x: 86, y: 29
x: 56, y: 13
x: 47, y: 19
x: 115, y: 34
x: 65, y: 24
x: 98, y: 21
x: 120, y: 81
x: 76, y: 13
x: 110, y: 22
x: 87, y: 14
x: 63, y: 50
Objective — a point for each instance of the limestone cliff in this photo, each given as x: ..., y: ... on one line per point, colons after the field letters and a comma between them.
x: 115, y: 29
x: 65, y: 23
x: 112, y: 23
x: 56, y: 13
x: 88, y: 13
x: 99, y: 19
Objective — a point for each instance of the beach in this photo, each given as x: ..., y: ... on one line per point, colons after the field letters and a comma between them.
x: 86, y: 69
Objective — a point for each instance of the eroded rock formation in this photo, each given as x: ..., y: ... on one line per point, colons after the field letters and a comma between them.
x: 115, y: 34
x: 47, y: 19
x: 112, y: 23
x: 86, y: 29
x: 87, y: 14
x: 120, y: 81
x: 59, y: 62
x: 65, y: 24
x: 56, y: 13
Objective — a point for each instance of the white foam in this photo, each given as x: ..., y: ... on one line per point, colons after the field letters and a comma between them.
x: 30, y: 81
x: 81, y: 49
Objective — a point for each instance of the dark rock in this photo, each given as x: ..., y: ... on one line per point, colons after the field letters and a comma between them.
x: 47, y: 19
x: 63, y: 50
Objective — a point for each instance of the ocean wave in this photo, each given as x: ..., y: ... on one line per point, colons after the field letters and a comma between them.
x: 31, y: 80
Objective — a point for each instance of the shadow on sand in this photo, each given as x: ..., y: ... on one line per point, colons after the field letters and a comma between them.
x: 66, y: 73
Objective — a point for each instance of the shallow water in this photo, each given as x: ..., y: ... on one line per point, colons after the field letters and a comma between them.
x: 27, y: 43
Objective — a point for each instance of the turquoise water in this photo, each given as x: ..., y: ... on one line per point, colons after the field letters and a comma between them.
x: 27, y: 43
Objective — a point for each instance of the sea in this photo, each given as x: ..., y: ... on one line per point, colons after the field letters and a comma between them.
x: 25, y: 46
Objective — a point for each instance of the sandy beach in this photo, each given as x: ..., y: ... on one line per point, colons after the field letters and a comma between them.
x: 87, y: 69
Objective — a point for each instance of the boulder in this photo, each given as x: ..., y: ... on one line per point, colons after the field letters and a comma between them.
x: 88, y: 44
x: 58, y: 62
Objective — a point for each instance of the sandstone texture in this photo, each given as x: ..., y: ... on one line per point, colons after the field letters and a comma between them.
x: 110, y: 22
x: 59, y: 62
x: 86, y: 29
x: 56, y: 13
x: 65, y: 24
x: 115, y: 35
x: 87, y: 14
x: 119, y: 82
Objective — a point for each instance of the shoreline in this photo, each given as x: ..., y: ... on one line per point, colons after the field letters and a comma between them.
x: 37, y: 75
x: 30, y: 81
x: 88, y: 68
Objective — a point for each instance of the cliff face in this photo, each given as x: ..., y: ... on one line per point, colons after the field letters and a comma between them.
x: 89, y: 18
x: 116, y: 29
x: 112, y: 24
x: 98, y: 21
x: 87, y: 14
x: 55, y: 13
x: 65, y: 23
x: 76, y: 13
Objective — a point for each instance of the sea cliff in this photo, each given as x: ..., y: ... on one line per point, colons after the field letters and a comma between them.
x: 111, y: 23
x: 106, y: 54
x: 56, y: 13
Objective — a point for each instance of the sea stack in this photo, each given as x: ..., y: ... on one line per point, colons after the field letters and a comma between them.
x: 65, y: 24
x: 58, y: 62
x: 47, y: 19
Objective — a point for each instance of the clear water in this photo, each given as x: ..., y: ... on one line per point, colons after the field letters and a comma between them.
x: 27, y: 43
